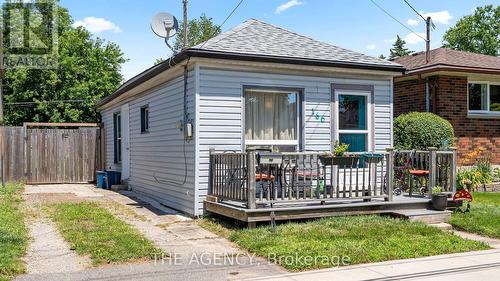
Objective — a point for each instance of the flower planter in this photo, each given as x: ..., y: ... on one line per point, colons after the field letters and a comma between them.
x: 343, y: 161
x: 439, y: 202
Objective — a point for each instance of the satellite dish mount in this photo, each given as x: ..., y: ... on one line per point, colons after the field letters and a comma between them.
x: 165, y: 25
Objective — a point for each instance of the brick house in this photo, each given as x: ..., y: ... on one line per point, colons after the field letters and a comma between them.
x: 463, y: 88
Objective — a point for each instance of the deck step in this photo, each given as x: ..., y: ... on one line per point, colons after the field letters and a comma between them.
x: 424, y: 215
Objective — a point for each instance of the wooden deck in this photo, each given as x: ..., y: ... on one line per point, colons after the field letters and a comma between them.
x: 301, y: 185
x: 299, y: 210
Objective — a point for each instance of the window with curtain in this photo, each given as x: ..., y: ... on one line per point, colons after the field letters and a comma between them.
x: 271, y: 117
x: 484, y: 98
x: 353, y: 121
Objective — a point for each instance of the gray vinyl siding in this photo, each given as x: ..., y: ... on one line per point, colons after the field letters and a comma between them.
x: 107, y: 122
x: 221, y: 121
x: 159, y: 159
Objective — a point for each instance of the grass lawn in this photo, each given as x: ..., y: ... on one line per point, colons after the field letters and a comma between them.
x: 13, y: 232
x: 92, y: 230
x: 484, y: 216
x: 355, y: 240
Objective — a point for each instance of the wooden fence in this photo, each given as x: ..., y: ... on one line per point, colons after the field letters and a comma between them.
x: 38, y: 156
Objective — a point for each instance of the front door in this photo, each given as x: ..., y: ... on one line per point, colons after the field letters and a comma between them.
x: 125, y: 147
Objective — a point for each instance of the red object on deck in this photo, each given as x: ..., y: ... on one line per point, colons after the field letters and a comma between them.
x: 419, y: 173
x: 263, y: 177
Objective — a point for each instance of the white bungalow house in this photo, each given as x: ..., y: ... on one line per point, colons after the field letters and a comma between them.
x: 256, y: 85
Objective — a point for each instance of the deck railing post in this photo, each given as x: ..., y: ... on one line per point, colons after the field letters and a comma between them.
x: 390, y: 173
x: 432, y: 170
x: 251, y: 198
x: 453, y: 171
x: 211, y: 171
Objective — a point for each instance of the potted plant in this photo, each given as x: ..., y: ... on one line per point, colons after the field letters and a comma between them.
x: 338, y: 156
x: 439, y: 199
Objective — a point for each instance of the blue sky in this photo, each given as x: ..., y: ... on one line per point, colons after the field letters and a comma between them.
x: 353, y: 24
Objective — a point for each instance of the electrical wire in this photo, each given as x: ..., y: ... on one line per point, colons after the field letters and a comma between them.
x: 415, y: 10
x: 402, y: 24
x: 186, y: 114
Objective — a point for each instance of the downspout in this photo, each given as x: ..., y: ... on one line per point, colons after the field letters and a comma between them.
x: 427, y: 95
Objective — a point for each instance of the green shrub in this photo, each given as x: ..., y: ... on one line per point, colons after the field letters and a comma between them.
x: 421, y: 130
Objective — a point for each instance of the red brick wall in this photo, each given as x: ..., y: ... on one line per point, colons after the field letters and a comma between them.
x: 473, y: 134
x: 409, y: 96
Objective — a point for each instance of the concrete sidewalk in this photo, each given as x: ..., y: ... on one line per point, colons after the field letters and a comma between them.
x: 481, y: 265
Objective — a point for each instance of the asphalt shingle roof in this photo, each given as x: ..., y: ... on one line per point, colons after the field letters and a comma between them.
x: 449, y: 57
x: 254, y: 37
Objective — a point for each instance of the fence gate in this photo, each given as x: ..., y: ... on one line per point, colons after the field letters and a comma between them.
x: 38, y: 156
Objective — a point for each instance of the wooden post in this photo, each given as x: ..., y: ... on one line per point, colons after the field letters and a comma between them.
x: 453, y: 171
x: 3, y: 175
x: 251, y: 200
x: 432, y: 170
x: 211, y: 152
x: 390, y: 173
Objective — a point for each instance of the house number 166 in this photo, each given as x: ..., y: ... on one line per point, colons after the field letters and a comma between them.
x: 319, y: 117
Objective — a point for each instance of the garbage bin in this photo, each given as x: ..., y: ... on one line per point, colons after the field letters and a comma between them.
x: 100, y: 175
x: 113, y: 177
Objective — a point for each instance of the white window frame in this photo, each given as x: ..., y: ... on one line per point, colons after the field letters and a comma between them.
x: 487, y: 112
x: 369, y: 128
x: 272, y: 143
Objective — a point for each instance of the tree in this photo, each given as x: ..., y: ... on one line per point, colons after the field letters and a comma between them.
x: 199, y: 31
x: 382, y: 57
x: 398, y: 49
x: 477, y: 33
x: 89, y: 69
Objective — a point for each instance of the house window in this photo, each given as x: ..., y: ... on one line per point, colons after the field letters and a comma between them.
x: 117, y: 137
x: 272, y: 119
x: 353, y: 118
x: 145, y: 119
x: 484, y: 98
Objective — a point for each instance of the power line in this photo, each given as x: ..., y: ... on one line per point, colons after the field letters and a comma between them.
x: 402, y: 24
x: 224, y: 21
x: 415, y: 10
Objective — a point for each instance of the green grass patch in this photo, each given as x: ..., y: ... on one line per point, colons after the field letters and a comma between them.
x: 342, y: 241
x: 13, y: 232
x: 92, y: 230
x: 484, y: 215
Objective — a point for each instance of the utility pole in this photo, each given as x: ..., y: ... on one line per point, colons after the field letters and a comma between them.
x: 428, y: 40
x: 184, y: 2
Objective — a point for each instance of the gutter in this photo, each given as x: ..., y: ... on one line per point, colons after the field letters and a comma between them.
x: 188, y: 53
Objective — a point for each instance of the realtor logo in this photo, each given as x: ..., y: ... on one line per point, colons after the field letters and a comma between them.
x: 29, y: 34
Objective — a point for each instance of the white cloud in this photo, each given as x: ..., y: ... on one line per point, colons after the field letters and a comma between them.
x: 285, y: 6
x: 389, y: 40
x: 413, y: 38
x: 371, y: 46
x: 97, y: 25
x: 442, y: 17
x: 412, y: 22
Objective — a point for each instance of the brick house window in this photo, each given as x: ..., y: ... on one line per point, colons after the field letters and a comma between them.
x: 484, y: 98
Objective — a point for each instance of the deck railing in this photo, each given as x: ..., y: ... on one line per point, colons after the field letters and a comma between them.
x: 301, y: 177
x: 440, y: 167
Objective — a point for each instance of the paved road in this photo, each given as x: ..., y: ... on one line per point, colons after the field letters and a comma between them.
x: 483, y: 265
x: 473, y: 266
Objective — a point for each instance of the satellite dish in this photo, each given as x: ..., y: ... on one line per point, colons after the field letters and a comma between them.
x: 164, y: 25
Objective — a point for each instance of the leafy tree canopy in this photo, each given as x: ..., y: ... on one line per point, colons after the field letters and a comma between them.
x: 477, y: 33
x: 399, y: 49
x: 89, y: 69
x: 199, y: 31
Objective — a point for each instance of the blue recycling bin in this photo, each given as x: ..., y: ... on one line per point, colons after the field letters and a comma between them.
x: 112, y: 178
x: 101, y: 178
